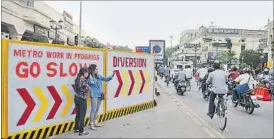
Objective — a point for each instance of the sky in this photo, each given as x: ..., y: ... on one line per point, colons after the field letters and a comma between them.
x: 134, y: 23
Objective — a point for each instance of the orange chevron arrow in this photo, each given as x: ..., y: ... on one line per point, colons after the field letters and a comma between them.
x: 43, y: 106
x: 68, y: 105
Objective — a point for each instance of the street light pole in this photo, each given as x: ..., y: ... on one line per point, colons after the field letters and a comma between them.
x: 56, y: 26
x: 171, y: 37
x: 80, y: 24
x: 195, y: 57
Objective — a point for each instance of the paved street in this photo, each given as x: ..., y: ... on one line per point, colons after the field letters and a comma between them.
x: 184, y: 117
x: 166, y: 120
x: 240, y: 124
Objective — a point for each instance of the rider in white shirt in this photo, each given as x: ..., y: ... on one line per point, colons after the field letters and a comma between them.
x: 202, y: 72
x: 188, y: 72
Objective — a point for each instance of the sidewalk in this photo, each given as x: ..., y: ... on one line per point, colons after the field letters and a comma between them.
x: 166, y: 120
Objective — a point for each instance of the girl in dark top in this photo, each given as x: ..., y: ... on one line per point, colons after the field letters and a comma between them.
x: 80, y: 98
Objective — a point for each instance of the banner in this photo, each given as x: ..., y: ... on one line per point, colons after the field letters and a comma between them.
x: 158, y: 49
x: 134, y: 79
x: 41, y: 83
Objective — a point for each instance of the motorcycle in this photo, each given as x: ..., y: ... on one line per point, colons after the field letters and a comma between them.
x: 181, y: 87
x: 175, y: 78
x: 231, y: 85
x: 247, y: 100
x: 269, y: 85
x: 207, y: 91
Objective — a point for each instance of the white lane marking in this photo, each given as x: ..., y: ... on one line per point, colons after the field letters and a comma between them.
x: 206, y: 127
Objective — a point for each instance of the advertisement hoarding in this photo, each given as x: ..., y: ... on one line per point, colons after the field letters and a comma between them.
x: 158, y: 49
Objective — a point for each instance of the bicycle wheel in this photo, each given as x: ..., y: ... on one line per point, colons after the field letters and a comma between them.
x: 221, y: 115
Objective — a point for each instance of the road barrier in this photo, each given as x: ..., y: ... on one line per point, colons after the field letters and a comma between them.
x: 38, y: 86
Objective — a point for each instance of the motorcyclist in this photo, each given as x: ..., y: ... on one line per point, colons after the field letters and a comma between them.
x: 204, y: 80
x: 234, y: 74
x: 218, y: 80
x: 181, y: 77
x: 266, y: 76
x: 244, y: 78
x: 202, y: 71
x: 167, y: 73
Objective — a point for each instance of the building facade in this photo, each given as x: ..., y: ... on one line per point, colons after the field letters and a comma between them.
x: 23, y: 19
x: 209, y: 42
x: 270, y: 43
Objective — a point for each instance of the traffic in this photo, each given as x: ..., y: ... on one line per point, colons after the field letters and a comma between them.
x: 240, y: 86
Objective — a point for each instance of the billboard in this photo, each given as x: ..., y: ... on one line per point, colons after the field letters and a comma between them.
x: 144, y: 49
x: 133, y: 81
x: 157, y: 47
x: 41, y: 82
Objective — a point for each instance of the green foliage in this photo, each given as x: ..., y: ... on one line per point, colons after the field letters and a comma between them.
x: 122, y: 48
x: 170, y: 50
x: 225, y: 56
x: 250, y: 57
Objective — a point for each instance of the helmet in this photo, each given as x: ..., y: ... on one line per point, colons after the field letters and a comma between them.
x: 210, y: 70
x: 216, y: 65
x: 266, y: 71
x: 246, y: 70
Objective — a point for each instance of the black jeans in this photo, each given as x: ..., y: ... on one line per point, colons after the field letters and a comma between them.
x: 81, y: 109
x: 211, y: 106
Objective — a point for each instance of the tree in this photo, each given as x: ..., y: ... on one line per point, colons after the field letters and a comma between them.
x: 170, y: 50
x: 250, y: 57
x: 122, y: 48
x: 225, y: 56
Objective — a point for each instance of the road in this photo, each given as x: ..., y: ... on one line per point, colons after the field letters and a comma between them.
x: 240, y: 124
x: 184, y: 117
x: 167, y: 120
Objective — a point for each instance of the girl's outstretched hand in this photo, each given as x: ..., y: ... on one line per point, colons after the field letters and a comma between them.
x: 113, y: 74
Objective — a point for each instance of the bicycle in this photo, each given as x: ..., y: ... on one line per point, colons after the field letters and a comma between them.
x: 221, y: 110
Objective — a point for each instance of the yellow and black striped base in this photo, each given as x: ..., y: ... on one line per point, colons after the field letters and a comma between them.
x: 56, y: 129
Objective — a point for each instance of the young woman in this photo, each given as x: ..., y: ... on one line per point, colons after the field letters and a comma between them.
x: 82, y: 89
x: 97, y: 95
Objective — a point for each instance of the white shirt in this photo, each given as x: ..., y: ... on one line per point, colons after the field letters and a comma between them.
x: 243, y: 78
x: 202, y: 72
x: 188, y: 73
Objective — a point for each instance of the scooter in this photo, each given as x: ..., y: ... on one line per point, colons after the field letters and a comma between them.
x: 181, y: 87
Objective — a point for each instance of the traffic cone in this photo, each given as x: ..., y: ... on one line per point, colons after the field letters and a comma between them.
x: 266, y: 95
x: 258, y: 93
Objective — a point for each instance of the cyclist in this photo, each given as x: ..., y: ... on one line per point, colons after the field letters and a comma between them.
x: 217, y: 79
x: 188, y: 72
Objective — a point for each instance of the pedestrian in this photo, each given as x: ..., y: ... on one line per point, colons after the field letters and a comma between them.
x: 80, y: 98
x: 96, y: 93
